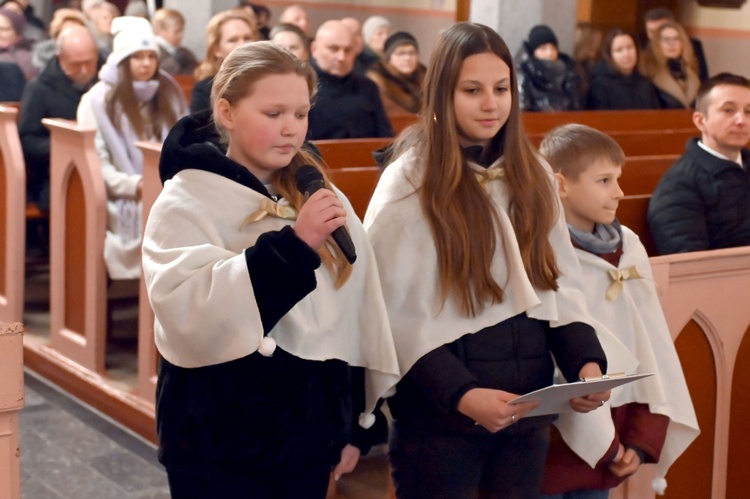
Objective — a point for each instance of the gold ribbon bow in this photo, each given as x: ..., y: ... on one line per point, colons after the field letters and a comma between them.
x: 618, y: 276
x: 268, y: 207
x: 490, y: 174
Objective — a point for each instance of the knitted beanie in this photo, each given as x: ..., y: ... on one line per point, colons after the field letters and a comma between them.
x: 539, y: 35
x: 131, y: 34
x: 396, y: 40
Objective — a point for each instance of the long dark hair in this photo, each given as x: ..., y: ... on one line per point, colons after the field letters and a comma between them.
x: 460, y: 213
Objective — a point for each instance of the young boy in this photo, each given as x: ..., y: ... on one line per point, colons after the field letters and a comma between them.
x: 169, y: 28
x: 649, y: 425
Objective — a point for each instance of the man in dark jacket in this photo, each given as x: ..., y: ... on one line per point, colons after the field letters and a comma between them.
x: 347, y: 105
x: 703, y: 201
x: 55, y: 93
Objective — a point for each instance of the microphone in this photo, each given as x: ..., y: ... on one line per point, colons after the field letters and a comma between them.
x: 309, y: 181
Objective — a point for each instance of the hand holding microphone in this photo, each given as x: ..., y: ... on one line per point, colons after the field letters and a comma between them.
x: 322, y: 214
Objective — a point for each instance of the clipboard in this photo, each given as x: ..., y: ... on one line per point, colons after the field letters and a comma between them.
x: 554, y: 399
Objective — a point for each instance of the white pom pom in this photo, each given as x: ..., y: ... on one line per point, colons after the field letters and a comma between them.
x: 659, y: 485
x: 366, y: 420
x: 267, y: 346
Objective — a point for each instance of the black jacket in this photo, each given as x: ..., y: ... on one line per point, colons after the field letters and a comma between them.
x: 702, y: 202
x: 50, y: 95
x: 547, y: 85
x: 513, y: 355
x: 611, y: 89
x: 268, y: 411
x: 347, y: 107
x: 12, y: 82
x: 200, y: 96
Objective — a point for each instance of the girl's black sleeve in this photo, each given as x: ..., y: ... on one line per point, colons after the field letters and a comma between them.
x: 282, y: 272
x: 573, y: 346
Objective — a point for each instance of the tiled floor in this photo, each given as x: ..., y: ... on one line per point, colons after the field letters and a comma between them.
x: 70, y: 452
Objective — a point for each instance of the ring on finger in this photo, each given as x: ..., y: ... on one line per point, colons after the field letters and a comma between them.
x: 512, y: 418
x: 601, y: 403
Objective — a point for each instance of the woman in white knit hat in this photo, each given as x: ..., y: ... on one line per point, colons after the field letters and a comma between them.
x: 132, y: 101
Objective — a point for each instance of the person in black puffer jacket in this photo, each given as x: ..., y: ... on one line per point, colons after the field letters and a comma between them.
x: 616, y: 82
x: 547, y: 79
x: 703, y: 201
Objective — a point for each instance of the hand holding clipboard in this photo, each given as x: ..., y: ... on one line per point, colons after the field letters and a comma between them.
x: 554, y: 399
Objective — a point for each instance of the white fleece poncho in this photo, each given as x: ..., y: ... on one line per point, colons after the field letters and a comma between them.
x: 407, y: 262
x: 638, y: 320
x: 200, y: 290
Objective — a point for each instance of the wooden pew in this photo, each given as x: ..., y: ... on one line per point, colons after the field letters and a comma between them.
x: 11, y: 403
x: 186, y: 83
x: 633, y: 213
x: 12, y: 218
x: 349, y: 153
x: 398, y: 123
x: 645, y: 143
x: 148, y: 356
x: 357, y: 184
x: 611, y: 121
x: 704, y: 297
x: 641, y: 173
x: 78, y: 223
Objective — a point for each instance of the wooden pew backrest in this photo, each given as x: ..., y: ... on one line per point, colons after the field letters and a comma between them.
x: 78, y: 223
x: 633, y: 213
x: 645, y: 142
x: 186, y: 83
x: 611, y: 121
x: 357, y: 184
x: 640, y: 174
x: 400, y: 122
x: 148, y: 356
x: 349, y: 153
x: 12, y: 218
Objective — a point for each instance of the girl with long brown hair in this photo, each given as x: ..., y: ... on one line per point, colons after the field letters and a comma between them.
x: 132, y: 101
x: 275, y: 348
x: 480, y: 281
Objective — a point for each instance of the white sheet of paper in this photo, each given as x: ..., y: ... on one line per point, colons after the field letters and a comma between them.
x: 555, y: 399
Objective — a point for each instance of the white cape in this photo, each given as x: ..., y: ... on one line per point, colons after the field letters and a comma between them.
x: 200, y: 290
x: 407, y: 262
x: 641, y: 326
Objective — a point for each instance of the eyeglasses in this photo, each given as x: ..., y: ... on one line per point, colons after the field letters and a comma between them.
x: 670, y: 39
x: 405, y: 53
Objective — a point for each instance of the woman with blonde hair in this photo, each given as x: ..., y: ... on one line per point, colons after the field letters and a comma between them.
x: 225, y: 31
x: 480, y: 280
x: 671, y: 66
